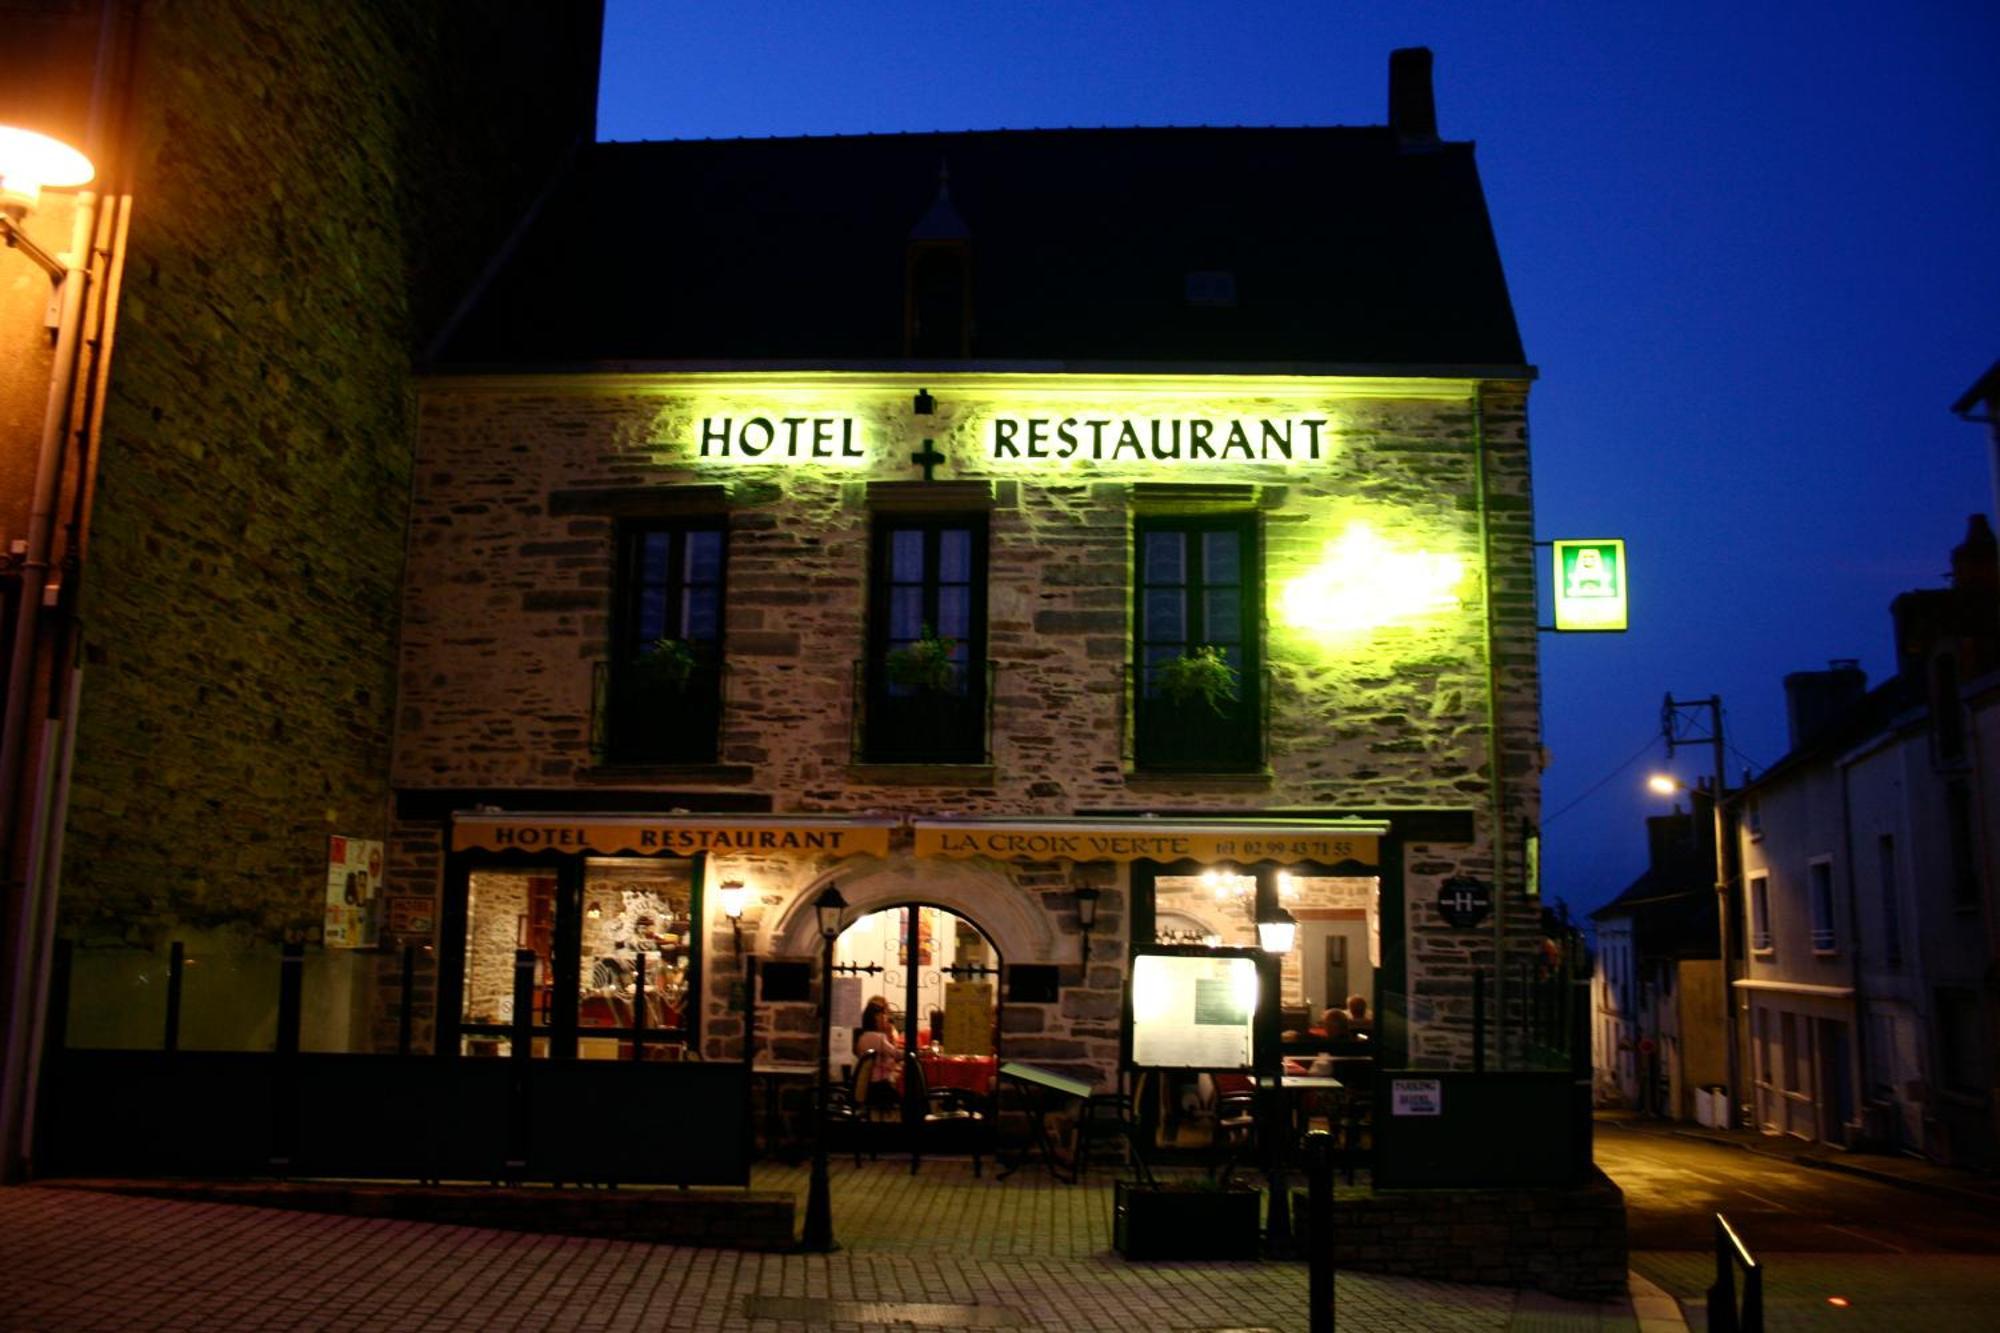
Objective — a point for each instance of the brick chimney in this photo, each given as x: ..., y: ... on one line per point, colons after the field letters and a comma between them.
x: 1413, y: 114
x: 1813, y: 699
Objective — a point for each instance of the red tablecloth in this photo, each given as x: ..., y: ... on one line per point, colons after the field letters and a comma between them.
x: 973, y: 1073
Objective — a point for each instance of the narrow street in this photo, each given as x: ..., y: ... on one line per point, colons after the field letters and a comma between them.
x: 1900, y: 1258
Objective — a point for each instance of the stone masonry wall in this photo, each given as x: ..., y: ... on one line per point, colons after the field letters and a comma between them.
x: 292, y: 246
x: 508, y: 609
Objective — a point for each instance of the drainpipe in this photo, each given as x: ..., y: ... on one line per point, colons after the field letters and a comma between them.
x: 1860, y: 1040
x: 22, y: 841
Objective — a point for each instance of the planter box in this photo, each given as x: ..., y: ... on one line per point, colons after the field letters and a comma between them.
x: 1149, y: 1222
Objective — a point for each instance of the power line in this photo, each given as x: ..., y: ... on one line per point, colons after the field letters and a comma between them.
x: 1638, y: 754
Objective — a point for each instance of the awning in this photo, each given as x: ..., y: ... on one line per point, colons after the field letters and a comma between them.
x: 1325, y: 842
x: 674, y: 835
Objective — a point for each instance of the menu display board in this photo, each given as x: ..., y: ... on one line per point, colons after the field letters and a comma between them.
x: 1192, y: 1011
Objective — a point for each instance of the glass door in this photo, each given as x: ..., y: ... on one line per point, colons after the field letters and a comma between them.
x: 937, y: 975
x: 520, y: 928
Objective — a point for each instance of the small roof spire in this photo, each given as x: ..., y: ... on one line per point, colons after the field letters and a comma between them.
x: 942, y: 222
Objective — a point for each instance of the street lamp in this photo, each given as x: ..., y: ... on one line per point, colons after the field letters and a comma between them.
x: 1665, y: 784
x: 733, y: 895
x: 1276, y: 929
x: 1086, y: 916
x: 828, y: 907
x: 30, y: 163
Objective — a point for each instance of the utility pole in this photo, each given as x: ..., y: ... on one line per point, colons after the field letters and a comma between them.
x: 1685, y: 722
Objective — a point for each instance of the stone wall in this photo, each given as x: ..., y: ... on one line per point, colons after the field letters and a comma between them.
x: 508, y: 611
x: 313, y: 189
x: 1569, y: 1242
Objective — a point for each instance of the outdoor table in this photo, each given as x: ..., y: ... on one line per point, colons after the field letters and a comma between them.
x: 1037, y: 1085
x: 1299, y: 1090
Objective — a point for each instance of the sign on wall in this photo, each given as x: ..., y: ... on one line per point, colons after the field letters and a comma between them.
x: 1464, y: 902
x: 1416, y: 1096
x: 1590, y: 590
x: 353, y: 876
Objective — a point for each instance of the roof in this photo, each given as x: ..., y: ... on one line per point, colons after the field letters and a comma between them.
x: 1984, y: 389
x: 1343, y: 247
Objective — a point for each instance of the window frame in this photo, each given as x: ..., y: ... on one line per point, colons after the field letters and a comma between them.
x: 1823, y: 921
x: 1892, y: 907
x: 625, y: 741
x: 1761, y: 941
x: 1242, y: 736
x: 951, y: 728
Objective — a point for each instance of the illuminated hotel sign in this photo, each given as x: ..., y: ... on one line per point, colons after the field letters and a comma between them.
x: 774, y: 436
x: 1112, y: 439
x: 670, y: 835
x: 1589, y: 579
x: 781, y: 439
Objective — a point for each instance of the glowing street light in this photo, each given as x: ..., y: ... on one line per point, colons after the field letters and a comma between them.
x: 30, y: 163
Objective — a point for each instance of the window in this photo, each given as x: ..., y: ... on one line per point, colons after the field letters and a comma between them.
x: 1819, y: 877
x: 666, y: 667
x: 1961, y: 1056
x: 1958, y: 828
x: 1947, y: 715
x: 925, y: 677
x: 1198, y: 694
x: 1892, y: 912
x: 1760, y: 913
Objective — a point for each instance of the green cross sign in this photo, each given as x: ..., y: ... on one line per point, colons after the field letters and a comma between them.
x: 1590, y: 584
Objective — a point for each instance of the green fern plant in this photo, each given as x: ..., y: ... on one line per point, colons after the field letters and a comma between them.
x: 1201, y: 674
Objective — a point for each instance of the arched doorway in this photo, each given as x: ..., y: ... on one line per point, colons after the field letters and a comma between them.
x: 939, y: 974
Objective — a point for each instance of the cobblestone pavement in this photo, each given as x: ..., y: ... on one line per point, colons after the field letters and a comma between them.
x: 941, y: 1250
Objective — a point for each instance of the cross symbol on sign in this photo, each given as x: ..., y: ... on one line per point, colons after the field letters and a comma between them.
x: 928, y: 457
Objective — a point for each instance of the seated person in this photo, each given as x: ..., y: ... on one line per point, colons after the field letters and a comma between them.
x: 885, y: 1076
x: 1357, y: 1013
x: 1343, y: 1038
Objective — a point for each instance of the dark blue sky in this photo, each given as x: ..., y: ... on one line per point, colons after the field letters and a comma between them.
x: 1752, y: 253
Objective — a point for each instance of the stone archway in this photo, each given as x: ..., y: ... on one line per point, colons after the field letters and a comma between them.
x: 1009, y: 916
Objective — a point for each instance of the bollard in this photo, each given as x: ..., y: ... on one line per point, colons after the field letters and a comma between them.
x: 1724, y: 1315
x: 1319, y: 1232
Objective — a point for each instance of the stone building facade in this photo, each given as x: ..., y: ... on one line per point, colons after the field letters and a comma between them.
x: 878, y: 529
x: 1381, y: 698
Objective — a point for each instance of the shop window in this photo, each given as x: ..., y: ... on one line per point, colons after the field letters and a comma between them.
x: 1760, y: 914
x: 1819, y: 882
x: 603, y: 944
x: 665, y: 688
x: 1198, y: 694
x: 924, y: 683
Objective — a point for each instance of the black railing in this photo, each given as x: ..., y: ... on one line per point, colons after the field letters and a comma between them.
x: 922, y: 726
x: 283, y: 1111
x: 639, y: 720
x: 1724, y: 1314
x: 1193, y: 737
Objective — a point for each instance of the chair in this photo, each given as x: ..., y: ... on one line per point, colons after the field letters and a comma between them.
x: 1352, y: 1119
x: 955, y: 1114
x: 847, y: 1110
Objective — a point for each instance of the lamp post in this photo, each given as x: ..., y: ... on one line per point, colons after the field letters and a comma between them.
x: 1086, y: 917
x: 1667, y: 785
x: 1276, y: 929
x: 818, y: 1236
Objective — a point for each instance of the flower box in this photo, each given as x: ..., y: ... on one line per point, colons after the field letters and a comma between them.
x: 1197, y: 1221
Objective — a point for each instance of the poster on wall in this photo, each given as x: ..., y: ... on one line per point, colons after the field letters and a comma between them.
x: 968, y: 1018
x: 353, y: 877
x: 1192, y: 1012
